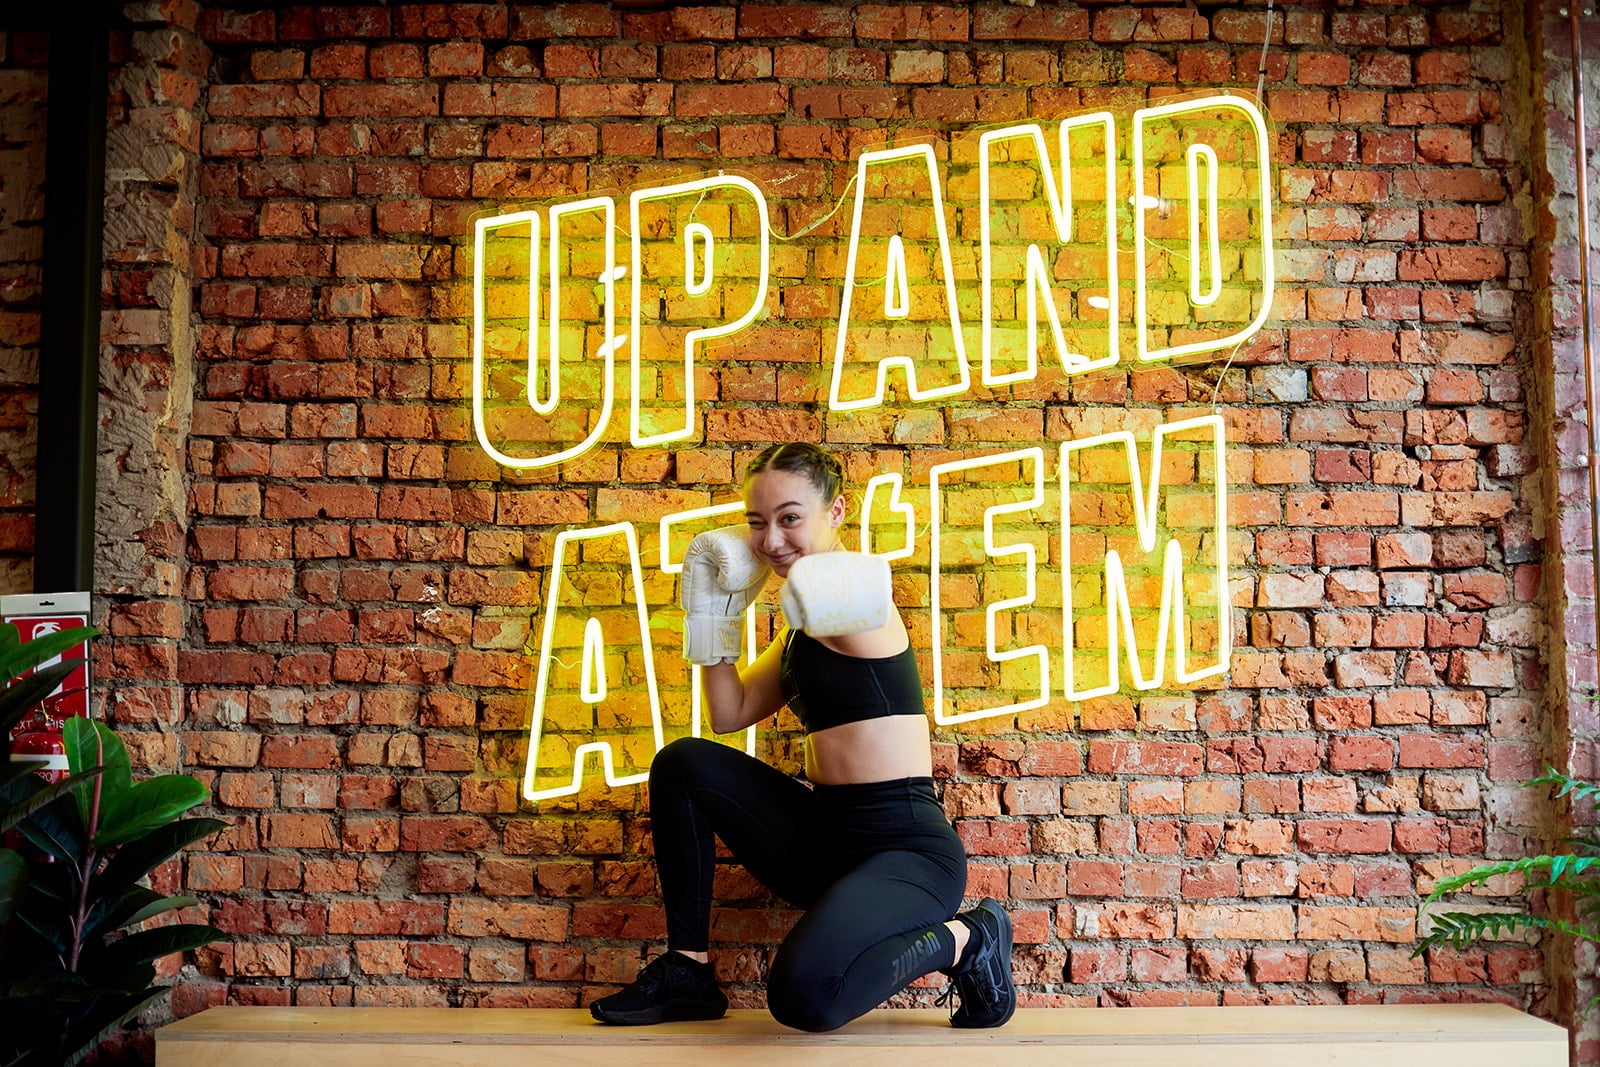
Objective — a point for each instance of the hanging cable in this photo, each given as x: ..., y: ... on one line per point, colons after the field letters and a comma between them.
x: 1261, y: 74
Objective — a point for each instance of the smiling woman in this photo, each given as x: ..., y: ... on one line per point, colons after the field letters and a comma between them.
x: 793, y: 503
x: 867, y: 851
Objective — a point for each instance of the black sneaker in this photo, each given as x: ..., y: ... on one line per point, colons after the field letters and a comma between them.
x: 671, y: 988
x: 983, y: 977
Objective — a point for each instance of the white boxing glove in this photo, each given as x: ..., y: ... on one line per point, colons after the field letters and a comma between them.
x: 835, y: 593
x: 721, y: 578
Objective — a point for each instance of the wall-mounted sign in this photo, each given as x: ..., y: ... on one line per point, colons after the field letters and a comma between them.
x: 35, y: 616
x: 968, y: 263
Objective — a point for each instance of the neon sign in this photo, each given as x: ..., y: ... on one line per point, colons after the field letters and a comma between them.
x: 1006, y: 250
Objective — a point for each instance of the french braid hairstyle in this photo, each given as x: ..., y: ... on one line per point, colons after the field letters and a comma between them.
x: 816, y: 463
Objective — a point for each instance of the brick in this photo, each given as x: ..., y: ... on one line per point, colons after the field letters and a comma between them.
x: 1342, y: 923
x: 793, y: 21
x: 1344, y: 836
x: 911, y: 22
x: 1248, y: 921
x: 719, y: 101
x: 1043, y: 24
x: 1144, y: 757
x: 264, y: 101
x: 1338, y: 965
x: 381, y: 101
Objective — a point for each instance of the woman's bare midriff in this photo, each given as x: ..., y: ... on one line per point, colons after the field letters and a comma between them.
x: 872, y: 750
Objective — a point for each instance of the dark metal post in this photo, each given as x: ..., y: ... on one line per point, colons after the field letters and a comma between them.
x: 69, y: 345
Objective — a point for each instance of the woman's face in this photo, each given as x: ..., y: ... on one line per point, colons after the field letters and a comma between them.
x: 788, y: 518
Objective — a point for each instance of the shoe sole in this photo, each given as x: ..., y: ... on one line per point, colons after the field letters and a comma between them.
x: 652, y: 1017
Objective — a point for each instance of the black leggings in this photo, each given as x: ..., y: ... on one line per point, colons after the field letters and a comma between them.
x: 877, y: 868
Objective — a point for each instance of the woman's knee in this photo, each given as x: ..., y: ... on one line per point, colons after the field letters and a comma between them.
x: 679, y: 761
x: 804, y: 1008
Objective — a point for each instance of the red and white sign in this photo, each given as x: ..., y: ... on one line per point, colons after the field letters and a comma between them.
x: 37, y: 616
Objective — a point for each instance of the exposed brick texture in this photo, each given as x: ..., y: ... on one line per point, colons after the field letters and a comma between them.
x: 320, y: 607
x: 22, y: 156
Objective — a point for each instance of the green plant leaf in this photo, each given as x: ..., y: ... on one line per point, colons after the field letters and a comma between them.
x: 48, y: 794
x: 57, y: 829
x: 134, y: 904
x: 13, y: 882
x: 107, y: 1022
x: 113, y: 911
x: 17, y: 656
x: 93, y: 744
x: 49, y: 924
x: 158, y: 907
x: 47, y: 1015
x: 1556, y: 866
x: 23, y: 695
x: 120, y: 977
x: 1460, y: 929
x: 1566, y: 785
x: 10, y: 771
x: 1581, y: 888
x: 147, y: 946
x: 147, y: 806
x: 19, y: 783
x: 48, y: 891
x: 139, y: 857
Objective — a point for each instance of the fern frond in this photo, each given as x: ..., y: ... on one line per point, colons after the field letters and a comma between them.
x: 1460, y: 929
x: 1557, y: 866
x: 1584, y: 843
x: 1566, y: 785
x: 1582, y: 888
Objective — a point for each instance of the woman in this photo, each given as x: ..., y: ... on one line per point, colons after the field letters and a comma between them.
x: 868, y: 852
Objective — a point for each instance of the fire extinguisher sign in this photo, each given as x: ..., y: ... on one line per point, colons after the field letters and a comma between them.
x: 35, y: 616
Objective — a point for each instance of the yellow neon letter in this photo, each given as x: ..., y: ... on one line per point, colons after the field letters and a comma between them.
x: 1158, y: 136
x: 993, y: 548
x: 1208, y: 208
x: 672, y: 563
x: 908, y: 516
x: 704, y: 265
x: 505, y: 318
x: 1196, y: 521
x: 559, y: 720
x: 1098, y: 289
x: 906, y: 346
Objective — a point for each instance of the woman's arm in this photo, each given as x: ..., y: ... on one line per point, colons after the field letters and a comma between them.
x: 738, y: 699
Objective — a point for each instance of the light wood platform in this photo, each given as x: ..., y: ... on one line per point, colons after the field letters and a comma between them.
x: 1445, y: 1035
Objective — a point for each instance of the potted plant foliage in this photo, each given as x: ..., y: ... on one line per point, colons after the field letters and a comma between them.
x: 1573, y: 872
x: 75, y: 962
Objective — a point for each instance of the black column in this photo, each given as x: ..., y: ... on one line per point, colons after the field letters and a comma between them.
x: 69, y: 346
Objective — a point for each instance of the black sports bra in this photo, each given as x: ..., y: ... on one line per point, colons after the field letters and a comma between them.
x: 825, y: 688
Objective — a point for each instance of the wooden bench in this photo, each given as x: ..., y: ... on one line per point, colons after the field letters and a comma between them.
x: 1431, y: 1035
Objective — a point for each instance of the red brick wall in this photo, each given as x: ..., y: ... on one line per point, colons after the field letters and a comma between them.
x: 357, y: 589
x: 22, y: 151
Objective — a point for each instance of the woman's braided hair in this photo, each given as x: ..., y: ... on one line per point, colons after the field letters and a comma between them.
x: 816, y: 463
